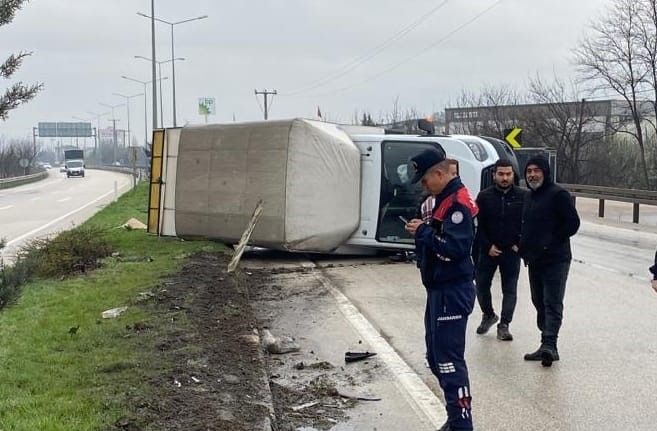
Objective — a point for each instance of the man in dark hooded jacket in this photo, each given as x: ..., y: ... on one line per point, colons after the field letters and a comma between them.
x: 549, y: 219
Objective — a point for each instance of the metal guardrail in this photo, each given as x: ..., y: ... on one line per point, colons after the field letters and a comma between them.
x: 6, y: 183
x: 633, y: 196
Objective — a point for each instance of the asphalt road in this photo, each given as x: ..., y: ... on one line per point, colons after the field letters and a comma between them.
x: 607, y: 376
x: 56, y: 203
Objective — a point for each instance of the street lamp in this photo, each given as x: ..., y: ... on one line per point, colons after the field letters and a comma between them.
x: 97, y: 138
x: 127, y: 104
x: 159, y: 72
x: 114, y: 120
x: 145, y: 84
x: 173, y: 55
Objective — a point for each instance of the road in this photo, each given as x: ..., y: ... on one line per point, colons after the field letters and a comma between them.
x: 605, y: 380
x: 56, y: 203
x: 607, y: 375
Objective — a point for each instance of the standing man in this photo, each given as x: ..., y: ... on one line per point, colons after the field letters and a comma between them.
x: 549, y: 219
x: 498, y: 233
x: 443, y: 245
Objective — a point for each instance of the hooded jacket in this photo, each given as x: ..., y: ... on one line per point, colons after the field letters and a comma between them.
x: 653, y: 269
x: 549, y: 219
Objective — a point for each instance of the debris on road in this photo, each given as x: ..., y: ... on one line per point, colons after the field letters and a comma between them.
x: 113, y: 312
x: 357, y: 356
x: 305, y: 405
x: 134, y: 224
x: 279, y: 345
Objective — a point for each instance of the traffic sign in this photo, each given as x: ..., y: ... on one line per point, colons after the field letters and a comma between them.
x: 23, y: 163
x: 513, y: 137
x: 206, y: 106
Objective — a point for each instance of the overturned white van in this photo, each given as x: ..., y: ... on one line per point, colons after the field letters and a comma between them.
x: 324, y: 186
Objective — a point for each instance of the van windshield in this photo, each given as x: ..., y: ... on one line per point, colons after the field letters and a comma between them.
x: 398, y: 196
x: 74, y: 164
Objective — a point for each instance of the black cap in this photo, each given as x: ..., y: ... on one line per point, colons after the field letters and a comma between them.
x: 424, y: 161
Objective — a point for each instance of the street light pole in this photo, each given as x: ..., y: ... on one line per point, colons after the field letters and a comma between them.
x: 127, y: 103
x: 114, y: 120
x: 173, y: 55
x: 97, y: 138
x: 145, y: 84
x: 159, y: 64
x: 153, y: 77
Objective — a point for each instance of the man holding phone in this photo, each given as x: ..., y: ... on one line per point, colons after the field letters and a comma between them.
x: 443, y: 245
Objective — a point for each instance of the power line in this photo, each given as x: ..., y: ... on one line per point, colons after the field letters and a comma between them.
x: 266, y: 93
x: 417, y: 54
x: 368, y: 55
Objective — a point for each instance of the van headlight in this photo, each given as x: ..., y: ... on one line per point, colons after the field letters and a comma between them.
x: 478, y: 150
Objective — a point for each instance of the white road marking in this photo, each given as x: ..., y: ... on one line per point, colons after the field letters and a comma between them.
x: 58, y: 219
x: 65, y: 199
x: 7, y: 207
x: 35, y: 199
x: 425, y: 403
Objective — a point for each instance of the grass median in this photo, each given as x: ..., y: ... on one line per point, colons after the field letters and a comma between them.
x: 64, y: 367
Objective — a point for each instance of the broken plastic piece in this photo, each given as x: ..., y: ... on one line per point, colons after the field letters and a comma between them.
x: 357, y: 356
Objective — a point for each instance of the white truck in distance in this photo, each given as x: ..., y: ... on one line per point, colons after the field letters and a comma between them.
x: 74, y: 163
x: 325, y: 187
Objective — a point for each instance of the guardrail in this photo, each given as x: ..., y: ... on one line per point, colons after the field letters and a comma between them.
x: 633, y: 196
x: 6, y: 183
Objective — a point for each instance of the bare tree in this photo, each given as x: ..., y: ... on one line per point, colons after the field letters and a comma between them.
x: 561, y: 122
x: 18, y: 92
x: 500, y: 113
x: 613, y: 58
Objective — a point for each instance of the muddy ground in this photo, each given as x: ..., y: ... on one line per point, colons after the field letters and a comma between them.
x: 209, y: 327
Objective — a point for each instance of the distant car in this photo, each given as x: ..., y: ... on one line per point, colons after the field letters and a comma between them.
x: 62, y: 168
x: 47, y: 166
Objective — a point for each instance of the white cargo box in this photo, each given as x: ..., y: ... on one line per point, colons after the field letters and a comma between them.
x: 306, y: 172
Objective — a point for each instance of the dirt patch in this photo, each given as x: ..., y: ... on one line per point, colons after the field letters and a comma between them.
x: 212, y: 375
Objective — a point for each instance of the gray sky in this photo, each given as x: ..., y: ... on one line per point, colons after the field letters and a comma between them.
x: 81, y: 49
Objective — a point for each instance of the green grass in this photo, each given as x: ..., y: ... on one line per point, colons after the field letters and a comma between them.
x: 53, y: 380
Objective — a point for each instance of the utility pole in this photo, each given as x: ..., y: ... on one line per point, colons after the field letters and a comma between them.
x: 266, y: 93
x: 114, y: 120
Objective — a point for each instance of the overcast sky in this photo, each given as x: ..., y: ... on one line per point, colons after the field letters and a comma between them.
x: 81, y: 49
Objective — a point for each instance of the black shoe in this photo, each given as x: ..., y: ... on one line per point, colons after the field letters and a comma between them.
x: 503, y: 332
x: 538, y: 355
x: 487, y: 321
x: 548, y: 355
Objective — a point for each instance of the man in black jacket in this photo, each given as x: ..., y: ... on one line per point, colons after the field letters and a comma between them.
x: 549, y: 219
x: 498, y: 235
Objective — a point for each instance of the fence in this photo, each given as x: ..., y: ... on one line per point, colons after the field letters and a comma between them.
x: 6, y: 183
x: 635, y: 197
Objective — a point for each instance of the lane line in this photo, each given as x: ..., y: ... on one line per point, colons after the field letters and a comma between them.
x: 35, y: 199
x: 58, y: 219
x: 425, y: 403
x: 7, y: 207
x: 65, y: 199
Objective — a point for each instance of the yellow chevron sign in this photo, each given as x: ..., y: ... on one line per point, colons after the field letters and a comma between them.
x: 512, y: 136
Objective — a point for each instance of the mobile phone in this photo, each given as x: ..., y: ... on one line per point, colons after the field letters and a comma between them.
x: 403, y: 219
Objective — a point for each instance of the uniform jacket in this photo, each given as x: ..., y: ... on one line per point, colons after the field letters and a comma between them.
x: 549, y: 219
x: 444, y: 243
x: 500, y: 217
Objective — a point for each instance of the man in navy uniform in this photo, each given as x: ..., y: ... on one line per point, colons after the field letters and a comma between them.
x: 443, y: 245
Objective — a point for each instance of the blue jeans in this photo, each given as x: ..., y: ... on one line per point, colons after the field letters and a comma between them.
x: 509, y: 265
x: 547, y: 283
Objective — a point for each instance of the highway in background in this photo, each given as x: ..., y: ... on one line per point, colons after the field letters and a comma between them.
x: 54, y: 204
